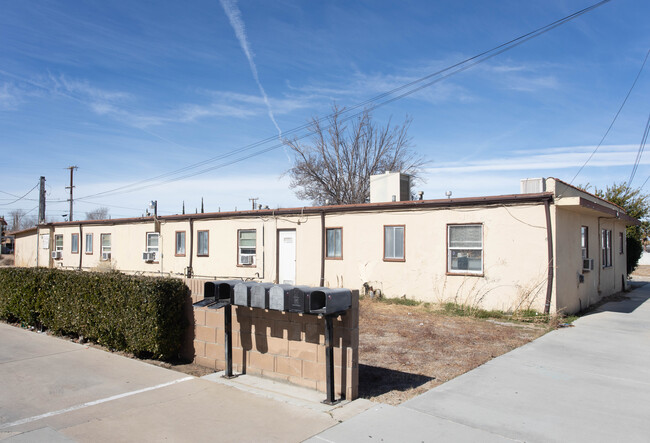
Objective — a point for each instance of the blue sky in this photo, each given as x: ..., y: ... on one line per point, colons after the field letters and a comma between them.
x: 129, y: 90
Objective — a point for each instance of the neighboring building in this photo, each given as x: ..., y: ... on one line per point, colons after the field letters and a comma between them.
x: 6, y: 241
x: 491, y: 252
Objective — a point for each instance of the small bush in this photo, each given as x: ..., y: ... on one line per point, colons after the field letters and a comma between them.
x: 142, y: 315
x: 399, y: 301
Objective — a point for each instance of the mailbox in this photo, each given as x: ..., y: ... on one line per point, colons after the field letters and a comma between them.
x: 298, y: 299
x: 216, y: 291
x: 280, y: 297
x: 242, y: 293
x: 260, y: 295
x: 328, y: 301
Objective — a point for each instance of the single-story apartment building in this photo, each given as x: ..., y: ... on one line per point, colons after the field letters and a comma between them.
x: 551, y: 248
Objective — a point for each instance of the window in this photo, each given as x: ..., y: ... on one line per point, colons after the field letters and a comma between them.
x: 58, y: 242
x: 334, y: 240
x: 74, y: 243
x: 584, y: 241
x: 621, y: 242
x: 607, y: 248
x: 153, y: 239
x: 45, y: 241
x: 180, y: 243
x: 106, y: 246
x: 246, y: 246
x: 394, y: 243
x: 202, y: 243
x: 465, y: 249
x: 89, y: 244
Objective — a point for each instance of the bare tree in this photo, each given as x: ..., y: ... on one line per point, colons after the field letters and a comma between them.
x: 97, y: 214
x: 336, y: 166
x: 19, y: 220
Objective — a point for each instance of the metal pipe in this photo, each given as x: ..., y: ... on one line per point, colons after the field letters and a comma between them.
x: 191, y: 271
x: 322, y: 250
x: 329, y: 360
x: 80, y: 245
x: 549, y: 235
x: 227, y: 325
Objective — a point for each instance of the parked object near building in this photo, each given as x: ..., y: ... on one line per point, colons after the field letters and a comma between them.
x: 552, y: 248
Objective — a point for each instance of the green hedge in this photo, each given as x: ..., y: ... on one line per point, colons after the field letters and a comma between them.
x: 142, y: 315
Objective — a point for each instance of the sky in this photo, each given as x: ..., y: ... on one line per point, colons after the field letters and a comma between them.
x: 130, y: 91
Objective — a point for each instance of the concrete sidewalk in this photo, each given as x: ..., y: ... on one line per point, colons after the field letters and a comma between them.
x: 589, y: 383
x: 53, y: 390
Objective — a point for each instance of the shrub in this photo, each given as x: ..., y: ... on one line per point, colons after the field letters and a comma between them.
x: 142, y: 315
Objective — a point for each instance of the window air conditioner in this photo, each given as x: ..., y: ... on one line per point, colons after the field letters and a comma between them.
x: 149, y: 256
x: 246, y: 259
x: 106, y: 255
x: 56, y: 255
x: 587, y: 264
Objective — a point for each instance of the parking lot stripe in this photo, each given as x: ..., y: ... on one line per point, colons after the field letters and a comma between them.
x: 91, y: 403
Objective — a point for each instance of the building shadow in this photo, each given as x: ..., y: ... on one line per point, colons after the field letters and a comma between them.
x: 374, y: 381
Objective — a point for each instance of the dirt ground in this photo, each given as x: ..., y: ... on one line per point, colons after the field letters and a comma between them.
x: 407, y: 350
x: 641, y: 271
x: 6, y: 260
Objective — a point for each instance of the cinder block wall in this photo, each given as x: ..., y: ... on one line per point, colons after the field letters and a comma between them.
x: 280, y: 345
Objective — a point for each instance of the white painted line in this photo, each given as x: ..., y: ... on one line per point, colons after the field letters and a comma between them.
x: 91, y: 403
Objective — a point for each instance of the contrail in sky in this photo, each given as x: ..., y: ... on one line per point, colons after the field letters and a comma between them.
x: 234, y: 15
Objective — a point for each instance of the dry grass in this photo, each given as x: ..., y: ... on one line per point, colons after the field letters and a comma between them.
x: 407, y: 350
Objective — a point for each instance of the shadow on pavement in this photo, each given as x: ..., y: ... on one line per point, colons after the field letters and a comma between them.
x: 375, y: 381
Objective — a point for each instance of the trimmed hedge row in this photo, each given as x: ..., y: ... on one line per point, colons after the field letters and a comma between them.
x: 142, y: 315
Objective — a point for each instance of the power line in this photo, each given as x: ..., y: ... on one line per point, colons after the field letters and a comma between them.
x: 639, y: 153
x: 19, y: 198
x: 615, y: 117
x: 420, y: 83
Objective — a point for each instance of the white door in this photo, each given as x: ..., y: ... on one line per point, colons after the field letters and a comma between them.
x: 287, y: 257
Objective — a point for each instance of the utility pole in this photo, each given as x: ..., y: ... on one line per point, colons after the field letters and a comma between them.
x: 253, y: 200
x: 71, y: 200
x: 41, y: 202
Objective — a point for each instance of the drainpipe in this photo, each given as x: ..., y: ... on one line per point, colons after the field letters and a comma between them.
x: 80, y: 248
x: 322, y: 248
x: 549, y: 235
x: 191, y: 247
x: 38, y: 244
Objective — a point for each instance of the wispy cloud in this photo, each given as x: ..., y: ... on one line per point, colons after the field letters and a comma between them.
x: 520, y: 77
x: 552, y: 158
x: 234, y: 15
x: 10, y: 96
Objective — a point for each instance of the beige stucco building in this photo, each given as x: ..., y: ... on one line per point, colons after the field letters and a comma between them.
x: 558, y: 248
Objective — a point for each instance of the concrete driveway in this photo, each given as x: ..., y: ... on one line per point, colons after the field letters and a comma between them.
x: 589, y: 383
x: 54, y: 390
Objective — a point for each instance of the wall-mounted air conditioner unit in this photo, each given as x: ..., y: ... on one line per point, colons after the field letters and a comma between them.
x: 587, y: 264
x: 246, y: 259
x: 149, y: 256
x: 57, y: 255
x: 106, y: 255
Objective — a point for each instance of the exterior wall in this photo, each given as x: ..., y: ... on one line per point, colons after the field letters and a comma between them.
x: 573, y: 295
x: 514, y: 250
x: 25, y: 250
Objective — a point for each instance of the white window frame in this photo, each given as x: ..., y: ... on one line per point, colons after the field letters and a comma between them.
x: 398, y: 231
x: 606, y: 248
x: 58, y: 247
x: 584, y: 241
x: 88, y: 244
x: 246, y: 251
x: 104, y: 249
x: 154, y: 249
x: 450, y: 250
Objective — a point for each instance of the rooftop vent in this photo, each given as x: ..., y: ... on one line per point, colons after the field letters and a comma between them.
x: 390, y: 186
x: 533, y: 185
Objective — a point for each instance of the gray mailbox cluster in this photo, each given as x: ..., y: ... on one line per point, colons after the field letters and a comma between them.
x: 301, y: 299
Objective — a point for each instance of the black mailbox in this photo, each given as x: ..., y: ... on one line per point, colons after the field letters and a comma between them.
x: 298, y: 299
x: 242, y: 293
x: 280, y: 296
x: 214, y: 291
x: 328, y: 301
x: 260, y: 295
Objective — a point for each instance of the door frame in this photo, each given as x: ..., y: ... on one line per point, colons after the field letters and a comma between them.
x: 277, y: 253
